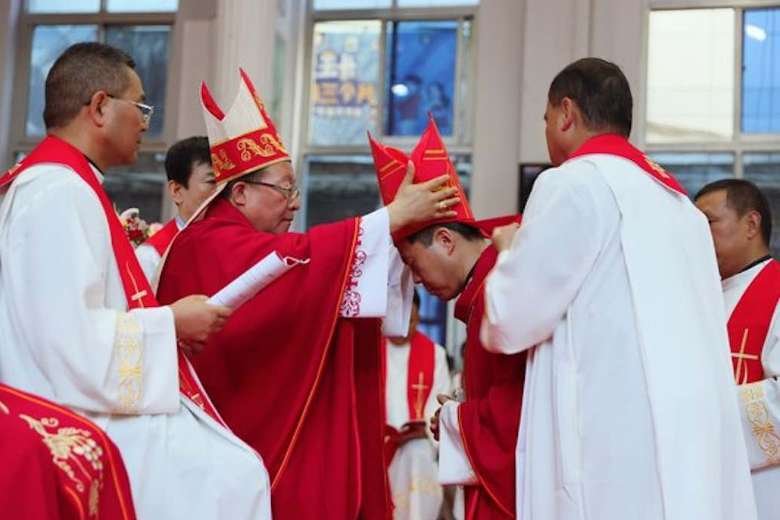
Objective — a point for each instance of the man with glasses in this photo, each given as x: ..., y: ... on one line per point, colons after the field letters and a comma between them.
x: 291, y: 373
x: 79, y: 323
x: 190, y: 182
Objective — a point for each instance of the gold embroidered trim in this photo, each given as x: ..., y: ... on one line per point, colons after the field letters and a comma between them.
x: 763, y: 429
x: 129, y: 352
x: 71, y: 448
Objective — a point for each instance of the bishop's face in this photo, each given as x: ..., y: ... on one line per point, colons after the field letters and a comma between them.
x: 435, y: 266
x: 730, y: 232
x: 269, y: 202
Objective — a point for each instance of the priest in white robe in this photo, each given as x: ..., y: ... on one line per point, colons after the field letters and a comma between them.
x: 416, y: 372
x: 741, y: 224
x: 611, y: 286
x: 69, y: 330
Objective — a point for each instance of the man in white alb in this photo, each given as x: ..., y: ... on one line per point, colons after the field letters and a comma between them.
x: 78, y: 321
x: 611, y: 286
x: 741, y: 225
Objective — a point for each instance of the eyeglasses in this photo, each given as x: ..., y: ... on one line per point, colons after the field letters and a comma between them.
x: 290, y: 193
x: 146, y: 110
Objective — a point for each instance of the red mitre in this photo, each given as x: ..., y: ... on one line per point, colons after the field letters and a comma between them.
x: 430, y: 160
x: 244, y: 139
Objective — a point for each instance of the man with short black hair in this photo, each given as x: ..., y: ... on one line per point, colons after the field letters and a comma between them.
x: 741, y: 226
x: 79, y: 323
x: 611, y: 287
x: 451, y: 257
x: 190, y: 182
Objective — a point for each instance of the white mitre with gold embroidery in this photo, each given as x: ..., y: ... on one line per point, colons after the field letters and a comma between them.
x: 244, y: 139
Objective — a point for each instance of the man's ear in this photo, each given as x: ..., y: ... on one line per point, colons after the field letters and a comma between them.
x: 567, y: 114
x: 175, y: 190
x: 96, y: 108
x: 238, y: 194
x: 445, y: 238
x: 753, y: 219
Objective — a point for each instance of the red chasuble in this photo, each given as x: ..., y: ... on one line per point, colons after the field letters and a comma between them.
x: 136, y: 287
x: 300, y: 384
x: 163, y: 238
x: 749, y: 323
x: 489, y: 419
x: 419, y: 384
x: 57, y: 465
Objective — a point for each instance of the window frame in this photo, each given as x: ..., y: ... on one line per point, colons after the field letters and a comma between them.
x: 740, y: 143
x: 19, y: 141
x: 461, y: 141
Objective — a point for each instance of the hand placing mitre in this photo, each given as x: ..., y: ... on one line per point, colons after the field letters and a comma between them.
x: 441, y: 398
x: 503, y: 236
x: 421, y: 202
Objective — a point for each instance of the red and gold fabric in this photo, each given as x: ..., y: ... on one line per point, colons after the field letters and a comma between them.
x: 749, y: 323
x: 57, y: 465
x: 293, y: 379
x: 243, y: 140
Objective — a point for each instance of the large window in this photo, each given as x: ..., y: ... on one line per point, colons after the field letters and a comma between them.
x: 142, y: 28
x: 713, y: 95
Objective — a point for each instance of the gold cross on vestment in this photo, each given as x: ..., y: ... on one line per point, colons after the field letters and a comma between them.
x: 139, y: 294
x: 741, y: 372
x: 420, y: 387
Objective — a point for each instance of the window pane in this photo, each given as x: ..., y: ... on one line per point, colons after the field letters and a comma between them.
x: 48, y: 42
x: 345, y: 82
x: 761, y: 71
x: 139, y: 186
x: 58, y: 6
x: 694, y: 170
x: 421, y: 60
x: 137, y: 6
x: 148, y: 45
x: 351, y: 4
x: 763, y: 169
x: 435, y: 3
x: 690, y: 75
x: 338, y: 187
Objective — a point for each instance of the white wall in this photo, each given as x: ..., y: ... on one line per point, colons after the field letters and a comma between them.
x: 521, y: 45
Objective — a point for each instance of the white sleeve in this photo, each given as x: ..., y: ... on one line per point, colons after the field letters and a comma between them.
x: 536, y: 279
x: 379, y: 285
x: 759, y: 405
x: 454, y: 465
x: 149, y: 259
x: 400, y: 293
x: 96, y: 358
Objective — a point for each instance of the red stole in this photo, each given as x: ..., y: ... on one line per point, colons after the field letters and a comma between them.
x: 614, y: 144
x: 489, y: 418
x: 749, y: 323
x: 419, y: 378
x: 57, y: 464
x: 419, y: 385
x: 163, y: 237
x: 297, y: 382
x: 137, y: 289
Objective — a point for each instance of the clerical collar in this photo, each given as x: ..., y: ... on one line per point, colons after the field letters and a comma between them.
x: 755, y: 263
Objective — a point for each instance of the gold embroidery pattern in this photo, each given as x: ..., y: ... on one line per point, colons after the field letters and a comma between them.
x: 768, y: 440
x: 657, y: 167
x: 71, y: 448
x: 129, y: 352
x: 221, y: 162
x: 4, y: 408
x: 265, y: 146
